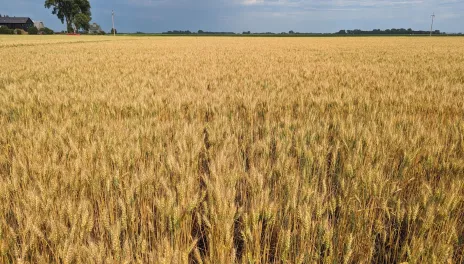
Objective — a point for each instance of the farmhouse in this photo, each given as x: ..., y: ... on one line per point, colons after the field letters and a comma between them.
x: 16, y: 22
x: 39, y: 24
x: 95, y: 29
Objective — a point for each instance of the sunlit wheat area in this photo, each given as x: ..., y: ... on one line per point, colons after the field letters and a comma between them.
x: 231, y: 150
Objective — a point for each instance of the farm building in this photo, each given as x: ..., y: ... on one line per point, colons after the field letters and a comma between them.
x: 95, y: 29
x: 39, y: 24
x: 16, y: 22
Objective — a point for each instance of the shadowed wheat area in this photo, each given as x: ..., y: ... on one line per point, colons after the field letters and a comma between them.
x: 231, y: 150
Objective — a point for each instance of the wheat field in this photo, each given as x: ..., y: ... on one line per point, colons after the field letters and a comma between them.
x: 231, y: 150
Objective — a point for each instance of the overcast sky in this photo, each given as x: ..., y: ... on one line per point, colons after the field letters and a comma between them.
x: 257, y: 15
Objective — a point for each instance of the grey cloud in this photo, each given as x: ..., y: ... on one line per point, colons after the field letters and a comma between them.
x: 258, y: 15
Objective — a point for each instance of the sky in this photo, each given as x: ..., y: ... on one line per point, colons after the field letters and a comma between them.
x: 318, y: 16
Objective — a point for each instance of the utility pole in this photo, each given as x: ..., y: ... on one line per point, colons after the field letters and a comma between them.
x: 112, y: 18
x: 431, y: 26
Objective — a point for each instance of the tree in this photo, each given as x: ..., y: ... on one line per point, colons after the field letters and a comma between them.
x: 32, y: 30
x: 67, y: 10
x: 200, y: 31
x: 291, y: 32
x: 342, y: 32
x: 115, y: 31
x: 6, y: 30
x: 82, y: 21
x: 47, y: 31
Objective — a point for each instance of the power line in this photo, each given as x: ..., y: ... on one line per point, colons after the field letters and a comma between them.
x: 112, y: 18
x: 431, y: 26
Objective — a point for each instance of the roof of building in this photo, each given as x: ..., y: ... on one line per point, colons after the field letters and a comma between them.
x: 94, y: 27
x: 13, y: 20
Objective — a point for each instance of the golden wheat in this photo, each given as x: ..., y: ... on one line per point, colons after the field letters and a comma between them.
x: 231, y: 150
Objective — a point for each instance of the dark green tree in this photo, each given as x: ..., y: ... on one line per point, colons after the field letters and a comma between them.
x: 115, y: 31
x: 82, y: 21
x: 47, y: 31
x: 6, y: 30
x: 32, y: 31
x: 67, y: 10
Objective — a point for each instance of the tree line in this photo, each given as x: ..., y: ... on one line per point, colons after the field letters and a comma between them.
x: 393, y: 31
x: 188, y: 32
x: 4, y: 30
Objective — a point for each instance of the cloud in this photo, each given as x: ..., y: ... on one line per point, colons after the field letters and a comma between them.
x: 332, y: 4
x: 258, y: 15
x: 148, y: 2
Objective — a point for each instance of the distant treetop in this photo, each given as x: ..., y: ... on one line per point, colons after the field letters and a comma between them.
x: 393, y: 31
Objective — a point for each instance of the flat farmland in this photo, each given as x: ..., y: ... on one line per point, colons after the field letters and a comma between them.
x: 231, y: 150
